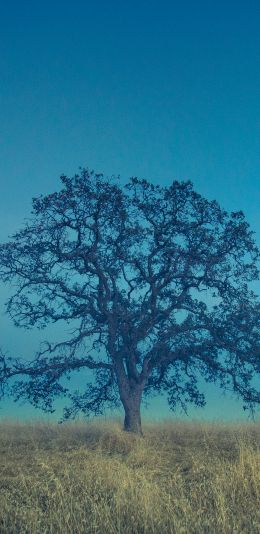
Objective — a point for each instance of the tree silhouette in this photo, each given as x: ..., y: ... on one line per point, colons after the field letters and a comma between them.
x: 154, y: 282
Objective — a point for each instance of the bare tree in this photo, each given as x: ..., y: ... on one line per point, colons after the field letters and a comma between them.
x: 154, y: 281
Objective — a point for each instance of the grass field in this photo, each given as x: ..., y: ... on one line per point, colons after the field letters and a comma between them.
x: 92, y: 477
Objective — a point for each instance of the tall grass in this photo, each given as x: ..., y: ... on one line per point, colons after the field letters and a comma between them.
x: 81, y: 478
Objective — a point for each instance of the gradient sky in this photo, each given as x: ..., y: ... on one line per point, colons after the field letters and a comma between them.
x: 159, y: 90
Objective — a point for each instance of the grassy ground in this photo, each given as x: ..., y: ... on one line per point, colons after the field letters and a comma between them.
x: 79, y: 478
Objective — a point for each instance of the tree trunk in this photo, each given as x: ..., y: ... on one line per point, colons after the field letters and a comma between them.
x: 130, y: 394
x: 132, y: 406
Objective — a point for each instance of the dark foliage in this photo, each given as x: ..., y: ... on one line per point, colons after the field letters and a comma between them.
x: 154, y: 281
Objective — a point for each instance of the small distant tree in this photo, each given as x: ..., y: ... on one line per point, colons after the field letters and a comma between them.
x: 154, y: 282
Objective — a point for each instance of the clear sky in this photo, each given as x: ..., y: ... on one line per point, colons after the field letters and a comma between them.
x: 160, y: 90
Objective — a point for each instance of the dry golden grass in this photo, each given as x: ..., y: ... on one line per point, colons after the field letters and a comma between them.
x: 85, y: 478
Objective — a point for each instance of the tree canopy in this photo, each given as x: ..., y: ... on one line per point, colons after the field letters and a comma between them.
x: 154, y: 282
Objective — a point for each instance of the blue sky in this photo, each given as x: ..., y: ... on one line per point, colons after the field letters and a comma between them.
x: 159, y: 90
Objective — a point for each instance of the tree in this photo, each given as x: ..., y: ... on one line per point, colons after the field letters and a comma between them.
x: 154, y: 281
